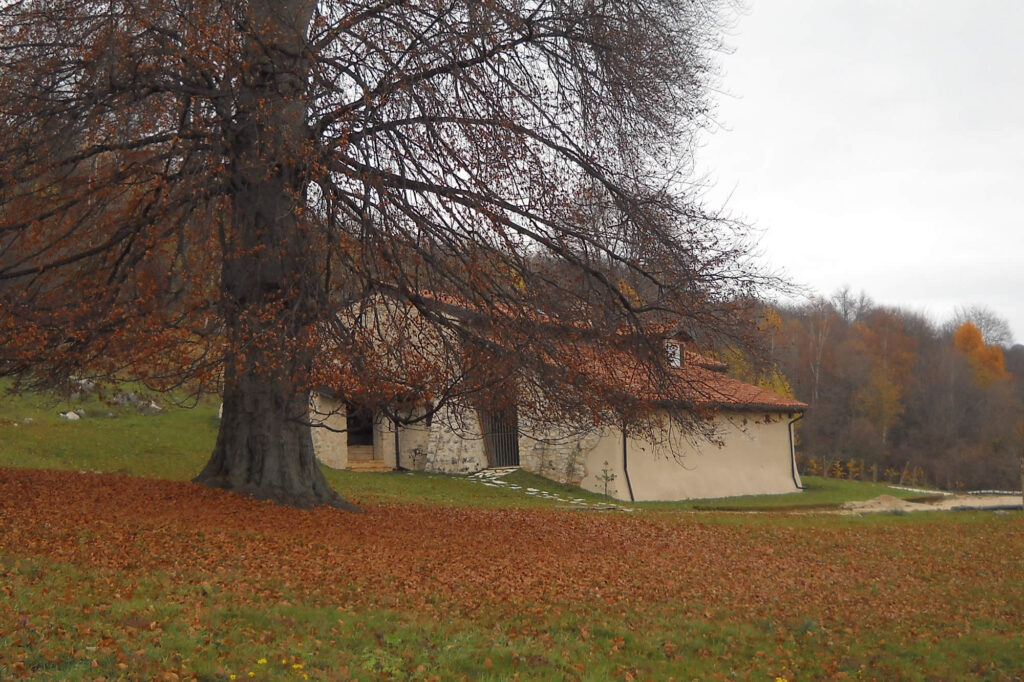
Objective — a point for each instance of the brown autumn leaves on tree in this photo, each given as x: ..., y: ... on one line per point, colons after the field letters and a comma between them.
x: 217, y: 195
x: 894, y: 396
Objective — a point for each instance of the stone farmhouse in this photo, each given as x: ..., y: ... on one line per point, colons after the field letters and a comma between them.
x: 745, y: 445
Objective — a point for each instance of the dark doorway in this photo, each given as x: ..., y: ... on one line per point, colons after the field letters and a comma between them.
x: 501, y: 436
x: 359, y: 431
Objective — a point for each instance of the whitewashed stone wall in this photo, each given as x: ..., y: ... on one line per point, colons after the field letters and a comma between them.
x: 560, y: 456
x: 454, y: 445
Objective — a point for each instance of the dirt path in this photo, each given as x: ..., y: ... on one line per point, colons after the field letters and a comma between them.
x: 888, y: 503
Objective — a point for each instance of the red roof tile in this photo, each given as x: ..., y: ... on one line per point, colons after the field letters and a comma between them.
x: 714, y: 388
x: 699, y: 382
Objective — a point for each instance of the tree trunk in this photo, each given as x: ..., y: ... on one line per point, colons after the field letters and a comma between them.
x: 269, y: 280
x: 265, y: 447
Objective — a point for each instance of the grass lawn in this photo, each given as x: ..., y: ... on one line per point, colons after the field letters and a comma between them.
x: 818, y: 493
x: 111, y: 576
x: 173, y: 444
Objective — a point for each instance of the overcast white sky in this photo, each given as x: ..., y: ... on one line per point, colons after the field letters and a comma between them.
x: 880, y: 144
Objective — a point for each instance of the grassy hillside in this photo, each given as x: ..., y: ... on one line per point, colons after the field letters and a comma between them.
x: 118, y: 577
x: 172, y: 444
x: 107, y: 576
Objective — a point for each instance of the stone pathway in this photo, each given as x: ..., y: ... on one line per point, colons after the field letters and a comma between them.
x: 492, y: 478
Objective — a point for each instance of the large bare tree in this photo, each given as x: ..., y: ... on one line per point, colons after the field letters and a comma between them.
x: 207, y: 193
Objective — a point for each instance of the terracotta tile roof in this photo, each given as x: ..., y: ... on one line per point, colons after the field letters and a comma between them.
x: 695, y: 358
x: 699, y: 382
x: 714, y: 388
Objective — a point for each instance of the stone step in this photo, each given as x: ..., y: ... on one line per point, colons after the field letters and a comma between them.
x: 360, y: 453
x: 494, y: 472
x: 369, y: 465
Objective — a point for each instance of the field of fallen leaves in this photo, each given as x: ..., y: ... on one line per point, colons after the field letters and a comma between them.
x: 107, y: 577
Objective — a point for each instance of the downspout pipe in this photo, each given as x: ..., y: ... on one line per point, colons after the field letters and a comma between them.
x: 625, y: 463
x: 792, y: 452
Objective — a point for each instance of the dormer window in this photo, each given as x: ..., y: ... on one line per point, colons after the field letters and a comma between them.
x: 673, y: 354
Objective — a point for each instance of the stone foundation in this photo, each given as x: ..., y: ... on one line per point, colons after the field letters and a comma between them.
x: 561, y: 457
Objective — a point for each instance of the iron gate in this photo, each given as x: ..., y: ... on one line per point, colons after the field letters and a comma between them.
x: 501, y: 437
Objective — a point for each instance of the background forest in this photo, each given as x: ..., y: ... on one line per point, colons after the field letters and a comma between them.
x: 893, y: 396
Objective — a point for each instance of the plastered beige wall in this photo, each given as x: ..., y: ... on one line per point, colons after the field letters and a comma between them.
x: 330, y: 446
x: 754, y: 459
x: 383, y: 441
x: 605, y: 460
x: 413, y: 441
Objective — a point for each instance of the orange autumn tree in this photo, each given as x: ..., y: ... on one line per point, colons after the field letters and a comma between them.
x: 215, y: 195
x: 986, y: 361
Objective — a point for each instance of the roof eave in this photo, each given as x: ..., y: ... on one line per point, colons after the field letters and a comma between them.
x: 738, y: 407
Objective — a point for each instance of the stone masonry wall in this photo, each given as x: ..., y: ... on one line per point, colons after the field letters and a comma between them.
x: 556, y: 454
x: 455, y: 445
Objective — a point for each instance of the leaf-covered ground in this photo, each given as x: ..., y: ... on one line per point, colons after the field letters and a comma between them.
x: 113, y: 576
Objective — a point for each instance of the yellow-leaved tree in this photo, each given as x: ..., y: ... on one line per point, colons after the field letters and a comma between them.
x: 987, y: 362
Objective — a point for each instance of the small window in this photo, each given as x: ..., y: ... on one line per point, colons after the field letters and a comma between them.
x: 673, y: 354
